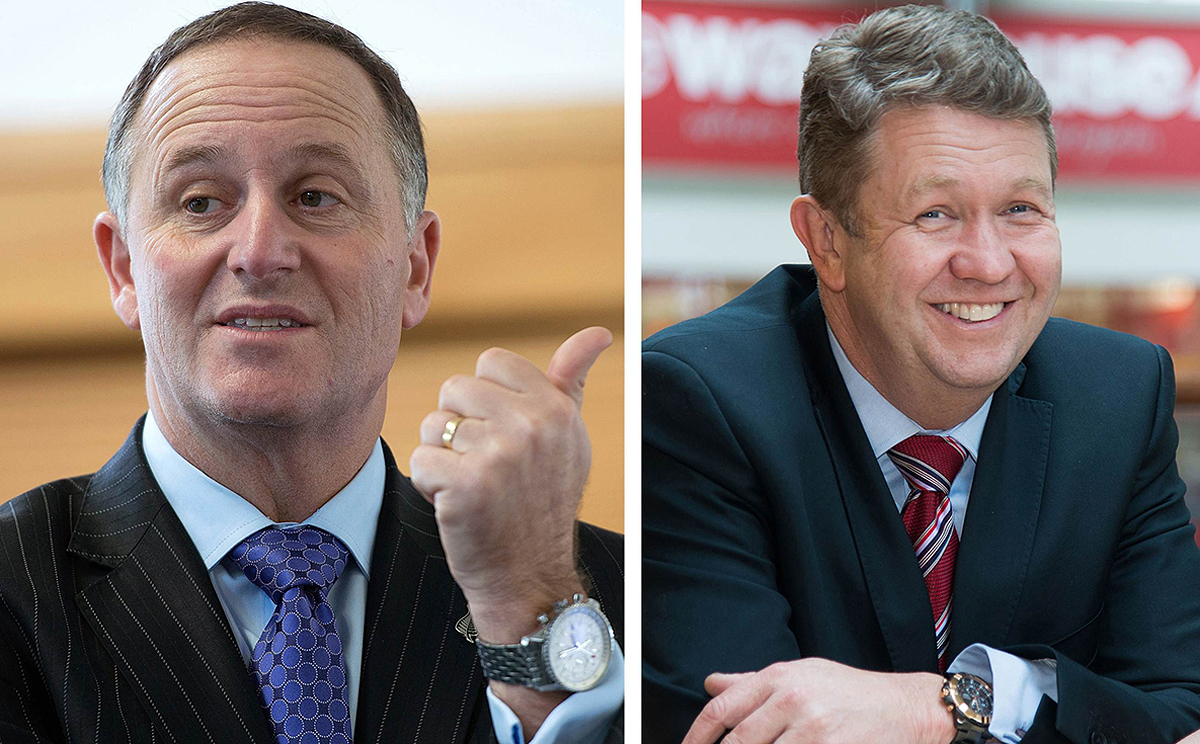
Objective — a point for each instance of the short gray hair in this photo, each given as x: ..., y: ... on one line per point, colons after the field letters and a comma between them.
x: 915, y: 55
x: 267, y: 20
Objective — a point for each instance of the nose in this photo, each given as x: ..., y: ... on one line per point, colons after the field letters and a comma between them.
x: 262, y: 238
x: 984, y: 254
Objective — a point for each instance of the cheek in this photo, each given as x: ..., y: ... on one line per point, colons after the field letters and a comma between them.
x: 170, y: 279
x: 1041, y: 261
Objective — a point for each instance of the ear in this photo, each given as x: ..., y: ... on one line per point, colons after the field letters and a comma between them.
x: 423, y: 251
x: 817, y: 229
x: 114, y: 257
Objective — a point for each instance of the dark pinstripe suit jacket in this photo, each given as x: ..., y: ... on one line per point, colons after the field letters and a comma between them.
x: 110, y: 630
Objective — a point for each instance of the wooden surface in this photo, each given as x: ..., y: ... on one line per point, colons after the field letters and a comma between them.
x: 531, y: 203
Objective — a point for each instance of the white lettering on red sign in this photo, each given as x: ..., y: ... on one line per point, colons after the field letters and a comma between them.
x: 717, y: 58
x: 1104, y: 77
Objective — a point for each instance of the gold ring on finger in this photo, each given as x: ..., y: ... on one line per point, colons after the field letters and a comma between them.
x: 448, y: 431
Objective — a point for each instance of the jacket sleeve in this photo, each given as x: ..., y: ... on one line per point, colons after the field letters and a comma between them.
x: 1143, y: 683
x: 710, y: 600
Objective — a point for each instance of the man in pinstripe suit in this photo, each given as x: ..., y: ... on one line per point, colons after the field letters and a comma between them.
x: 259, y: 239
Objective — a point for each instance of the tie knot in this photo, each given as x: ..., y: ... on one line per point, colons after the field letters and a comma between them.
x: 929, y: 463
x: 277, y: 559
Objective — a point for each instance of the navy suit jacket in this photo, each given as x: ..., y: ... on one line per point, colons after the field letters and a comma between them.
x: 769, y: 533
x: 110, y: 629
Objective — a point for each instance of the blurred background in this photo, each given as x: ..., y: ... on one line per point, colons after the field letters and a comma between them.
x: 523, y: 107
x: 720, y: 91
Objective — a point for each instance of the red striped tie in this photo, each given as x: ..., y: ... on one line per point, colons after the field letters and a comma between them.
x: 929, y: 464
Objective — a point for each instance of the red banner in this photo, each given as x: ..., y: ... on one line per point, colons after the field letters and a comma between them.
x: 721, y: 86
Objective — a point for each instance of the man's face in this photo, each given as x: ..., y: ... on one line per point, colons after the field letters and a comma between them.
x: 270, y: 270
x: 959, y: 264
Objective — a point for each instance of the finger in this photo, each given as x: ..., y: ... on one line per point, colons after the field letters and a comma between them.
x: 510, y: 370
x: 719, y: 682
x: 727, y: 710
x: 467, y: 433
x: 432, y: 469
x: 570, y: 364
x: 763, y: 725
x: 476, y: 397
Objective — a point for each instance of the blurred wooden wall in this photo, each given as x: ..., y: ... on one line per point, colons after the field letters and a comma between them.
x: 531, y: 203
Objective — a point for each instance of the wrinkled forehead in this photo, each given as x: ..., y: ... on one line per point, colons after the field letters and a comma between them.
x: 222, y: 90
x: 908, y: 138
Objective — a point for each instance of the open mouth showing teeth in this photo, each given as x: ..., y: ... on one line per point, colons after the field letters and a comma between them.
x: 263, y: 324
x: 972, y: 313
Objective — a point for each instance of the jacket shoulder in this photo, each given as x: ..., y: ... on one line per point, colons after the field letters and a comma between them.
x: 1092, y: 358
x: 49, y: 508
x: 769, y: 304
x: 35, y: 529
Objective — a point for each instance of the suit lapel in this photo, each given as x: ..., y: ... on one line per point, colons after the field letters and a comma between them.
x: 156, y: 612
x: 1002, y: 517
x: 421, y: 680
x: 885, y: 553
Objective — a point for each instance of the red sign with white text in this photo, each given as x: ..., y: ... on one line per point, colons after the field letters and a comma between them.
x: 721, y: 87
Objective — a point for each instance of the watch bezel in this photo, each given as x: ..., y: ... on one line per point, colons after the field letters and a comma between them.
x: 971, y: 726
x: 590, y: 607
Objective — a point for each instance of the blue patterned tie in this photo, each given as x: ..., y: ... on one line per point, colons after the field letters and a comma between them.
x: 298, y: 660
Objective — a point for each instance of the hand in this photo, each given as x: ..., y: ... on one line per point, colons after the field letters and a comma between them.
x: 506, y: 495
x: 816, y: 701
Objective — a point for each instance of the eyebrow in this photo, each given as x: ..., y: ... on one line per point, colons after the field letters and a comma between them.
x: 186, y: 156
x: 327, y: 151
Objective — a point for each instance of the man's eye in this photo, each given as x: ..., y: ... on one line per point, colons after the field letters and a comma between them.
x: 201, y: 204
x: 1020, y: 209
x: 931, y: 214
x: 316, y: 199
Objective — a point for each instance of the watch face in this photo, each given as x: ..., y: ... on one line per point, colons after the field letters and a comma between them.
x: 578, y: 647
x: 976, y: 699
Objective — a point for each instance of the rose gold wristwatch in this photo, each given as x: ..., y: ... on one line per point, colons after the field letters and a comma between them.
x: 969, y: 700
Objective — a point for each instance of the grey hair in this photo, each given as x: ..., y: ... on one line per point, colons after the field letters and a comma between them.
x: 915, y: 55
x: 267, y: 20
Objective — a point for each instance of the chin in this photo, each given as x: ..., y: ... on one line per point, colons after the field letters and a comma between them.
x: 259, y: 410
x: 978, y: 371
x: 977, y: 379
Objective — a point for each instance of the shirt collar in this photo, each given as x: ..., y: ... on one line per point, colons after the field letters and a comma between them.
x: 217, y: 519
x: 886, y: 425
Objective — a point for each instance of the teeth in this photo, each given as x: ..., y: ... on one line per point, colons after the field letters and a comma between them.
x: 264, y: 324
x: 972, y: 313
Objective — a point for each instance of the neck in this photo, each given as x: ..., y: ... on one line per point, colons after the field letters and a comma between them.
x: 286, y: 472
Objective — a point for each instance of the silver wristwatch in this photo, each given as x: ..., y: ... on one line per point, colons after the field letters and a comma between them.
x: 969, y: 700
x: 571, y: 651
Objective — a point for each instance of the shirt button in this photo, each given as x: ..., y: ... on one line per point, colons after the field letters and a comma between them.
x: 1098, y: 738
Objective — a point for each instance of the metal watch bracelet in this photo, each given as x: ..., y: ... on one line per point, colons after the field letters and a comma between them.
x: 515, y: 663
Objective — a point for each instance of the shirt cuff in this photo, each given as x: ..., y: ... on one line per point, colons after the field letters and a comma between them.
x: 583, y: 718
x: 1017, y: 687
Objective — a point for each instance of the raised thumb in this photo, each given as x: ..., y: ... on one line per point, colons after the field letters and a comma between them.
x: 571, y: 362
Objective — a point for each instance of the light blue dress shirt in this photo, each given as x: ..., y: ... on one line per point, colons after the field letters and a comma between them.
x: 1017, y: 684
x: 217, y: 519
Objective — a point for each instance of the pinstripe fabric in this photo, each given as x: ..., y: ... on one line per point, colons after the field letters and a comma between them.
x: 110, y: 629
x: 929, y: 464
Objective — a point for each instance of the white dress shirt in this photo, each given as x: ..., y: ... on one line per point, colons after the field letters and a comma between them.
x: 1017, y: 684
x: 217, y: 519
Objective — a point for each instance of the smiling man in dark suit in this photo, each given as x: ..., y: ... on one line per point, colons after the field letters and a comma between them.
x: 889, y: 466
x: 252, y: 565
